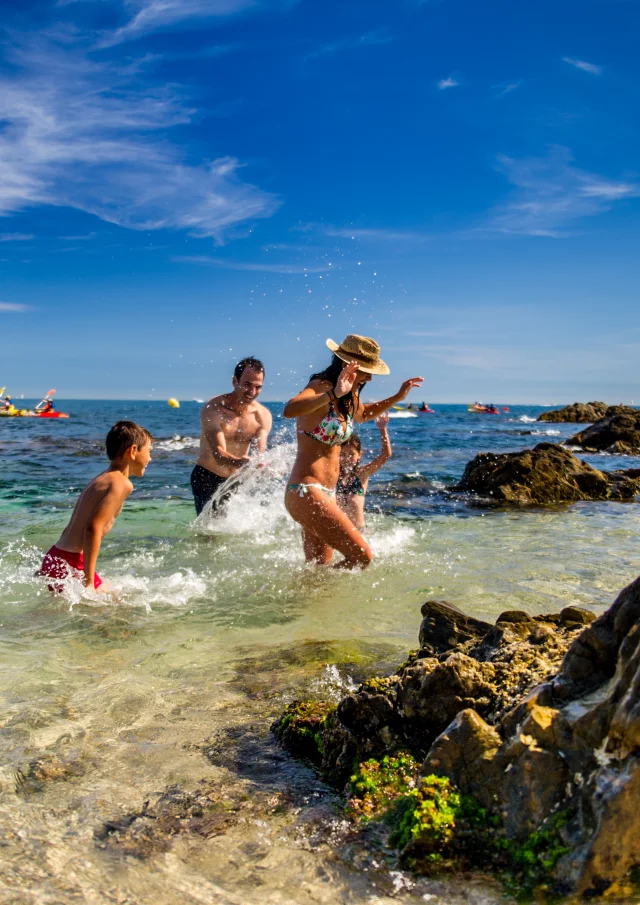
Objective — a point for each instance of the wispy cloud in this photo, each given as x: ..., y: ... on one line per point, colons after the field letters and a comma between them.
x: 151, y: 15
x: 239, y: 265
x: 346, y: 232
x: 449, y: 82
x: 77, y: 238
x: 376, y: 37
x: 13, y: 307
x: 551, y: 194
x: 93, y: 135
x: 582, y: 64
x: 506, y: 88
x: 15, y: 237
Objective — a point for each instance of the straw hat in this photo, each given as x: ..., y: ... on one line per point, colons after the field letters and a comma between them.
x: 362, y: 349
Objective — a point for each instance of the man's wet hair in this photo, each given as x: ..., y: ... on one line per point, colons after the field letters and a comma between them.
x: 254, y: 364
x: 124, y: 434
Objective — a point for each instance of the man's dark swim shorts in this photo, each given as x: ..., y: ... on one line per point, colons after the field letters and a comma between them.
x: 204, y: 484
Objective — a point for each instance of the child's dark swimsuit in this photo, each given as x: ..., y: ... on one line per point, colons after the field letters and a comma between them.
x: 351, y: 487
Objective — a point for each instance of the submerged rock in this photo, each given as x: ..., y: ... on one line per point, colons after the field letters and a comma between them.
x: 617, y: 432
x: 548, y: 473
x: 578, y: 413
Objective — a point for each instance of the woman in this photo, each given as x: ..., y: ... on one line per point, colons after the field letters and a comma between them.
x: 326, y: 410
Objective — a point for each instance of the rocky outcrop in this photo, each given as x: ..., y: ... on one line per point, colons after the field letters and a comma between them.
x: 548, y: 473
x: 618, y: 432
x: 578, y: 413
x: 529, y: 736
x: 462, y: 663
x: 571, y: 747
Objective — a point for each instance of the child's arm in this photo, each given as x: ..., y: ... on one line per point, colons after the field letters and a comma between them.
x: 100, y: 522
x: 365, y: 471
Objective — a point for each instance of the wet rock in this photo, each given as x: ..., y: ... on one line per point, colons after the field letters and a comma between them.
x: 444, y: 627
x: 152, y: 829
x: 546, y: 474
x: 570, y: 748
x: 300, y: 729
x: 578, y: 413
x: 617, y: 432
x: 36, y: 774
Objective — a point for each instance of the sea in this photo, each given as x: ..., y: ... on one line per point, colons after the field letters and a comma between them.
x: 114, y: 706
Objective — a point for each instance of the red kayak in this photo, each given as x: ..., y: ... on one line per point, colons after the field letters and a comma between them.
x: 51, y: 415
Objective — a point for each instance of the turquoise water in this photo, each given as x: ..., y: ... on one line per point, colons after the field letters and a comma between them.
x: 211, y: 627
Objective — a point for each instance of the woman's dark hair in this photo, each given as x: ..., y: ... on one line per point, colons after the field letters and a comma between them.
x: 348, y: 404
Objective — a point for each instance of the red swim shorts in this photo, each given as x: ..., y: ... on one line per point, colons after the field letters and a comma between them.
x: 62, y: 564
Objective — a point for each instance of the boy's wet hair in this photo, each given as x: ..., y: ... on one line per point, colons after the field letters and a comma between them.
x: 124, y: 434
x: 355, y: 442
x: 253, y: 363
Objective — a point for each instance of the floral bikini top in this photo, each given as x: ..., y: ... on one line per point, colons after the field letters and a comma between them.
x: 331, y: 429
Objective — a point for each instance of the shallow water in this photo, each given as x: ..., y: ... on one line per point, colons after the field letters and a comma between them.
x: 212, y: 626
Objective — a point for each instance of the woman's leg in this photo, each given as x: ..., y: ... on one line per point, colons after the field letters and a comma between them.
x: 315, y: 549
x: 320, y: 516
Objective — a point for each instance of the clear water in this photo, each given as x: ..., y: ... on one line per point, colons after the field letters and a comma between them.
x: 211, y: 627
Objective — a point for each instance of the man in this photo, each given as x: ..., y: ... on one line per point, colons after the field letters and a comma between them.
x: 230, y: 423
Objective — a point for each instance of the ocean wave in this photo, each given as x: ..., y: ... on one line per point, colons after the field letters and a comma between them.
x: 177, y: 443
x: 402, y: 415
x: 547, y: 433
x: 526, y: 419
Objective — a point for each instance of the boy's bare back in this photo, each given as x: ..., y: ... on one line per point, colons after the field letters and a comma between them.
x: 99, y: 504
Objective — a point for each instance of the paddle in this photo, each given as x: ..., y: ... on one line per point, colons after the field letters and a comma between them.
x: 46, y: 399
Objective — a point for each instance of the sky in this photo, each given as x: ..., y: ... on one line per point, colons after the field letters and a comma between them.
x: 186, y: 182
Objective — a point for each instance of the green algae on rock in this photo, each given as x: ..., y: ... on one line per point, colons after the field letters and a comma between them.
x: 300, y: 729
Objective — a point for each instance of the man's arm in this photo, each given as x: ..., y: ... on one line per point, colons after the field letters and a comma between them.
x: 265, y: 420
x: 106, y: 511
x: 216, y: 440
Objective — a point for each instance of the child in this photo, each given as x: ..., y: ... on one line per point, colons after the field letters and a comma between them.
x: 354, y: 478
x: 99, y: 505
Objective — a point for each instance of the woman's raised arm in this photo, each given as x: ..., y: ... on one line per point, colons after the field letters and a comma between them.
x: 311, y: 399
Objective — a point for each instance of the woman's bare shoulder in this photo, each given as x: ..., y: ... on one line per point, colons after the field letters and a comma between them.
x: 316, y: 383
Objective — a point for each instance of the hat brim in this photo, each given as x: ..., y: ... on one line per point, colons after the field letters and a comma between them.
x: 380, y: 367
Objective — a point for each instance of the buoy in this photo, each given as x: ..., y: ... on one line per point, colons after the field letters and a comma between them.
x: 173, y: 403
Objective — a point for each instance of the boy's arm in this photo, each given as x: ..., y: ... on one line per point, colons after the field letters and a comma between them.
x: 106, y: 512
x: 365, y: 471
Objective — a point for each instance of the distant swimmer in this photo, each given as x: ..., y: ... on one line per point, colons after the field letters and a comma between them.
x: 75, y: 555
x: 230, y: 423
x: 353, y: 480
x: 326, y: 411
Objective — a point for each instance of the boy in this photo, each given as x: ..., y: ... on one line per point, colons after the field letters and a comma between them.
x: 354, y: 478
x: 99, y: 505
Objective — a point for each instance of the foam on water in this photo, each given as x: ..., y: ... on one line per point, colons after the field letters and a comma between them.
x: 177, y: 443
x: 526, y: 419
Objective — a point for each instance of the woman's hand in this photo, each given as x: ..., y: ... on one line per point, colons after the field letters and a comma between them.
x: 346, y: 379
x: 382, y: 421
x: 407, y: 386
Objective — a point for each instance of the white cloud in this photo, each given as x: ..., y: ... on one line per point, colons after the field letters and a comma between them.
x: 239, y: 265
x: 582, y: 64
x: 349, y: 232
x: 506, y: 88
x: 449, y: 82
x: 11, y: 306
x: 151, y: 15
x: 15, y: 237
x: 93, y: 135
x: 551, y: 194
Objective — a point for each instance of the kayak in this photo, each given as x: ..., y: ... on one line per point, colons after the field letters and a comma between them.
x: 484, y: 409
x: 25, y: 413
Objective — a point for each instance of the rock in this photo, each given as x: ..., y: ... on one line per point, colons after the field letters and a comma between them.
x: 578, y: 413
x: 617, y: 432
x: 444, y: 627
x: 566, y: 760
x: 546, y: 474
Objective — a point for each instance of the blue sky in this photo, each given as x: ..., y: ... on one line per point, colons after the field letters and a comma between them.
x: 184, y: 182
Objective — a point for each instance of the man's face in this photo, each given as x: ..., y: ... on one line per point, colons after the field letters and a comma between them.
x: 249, y: 386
